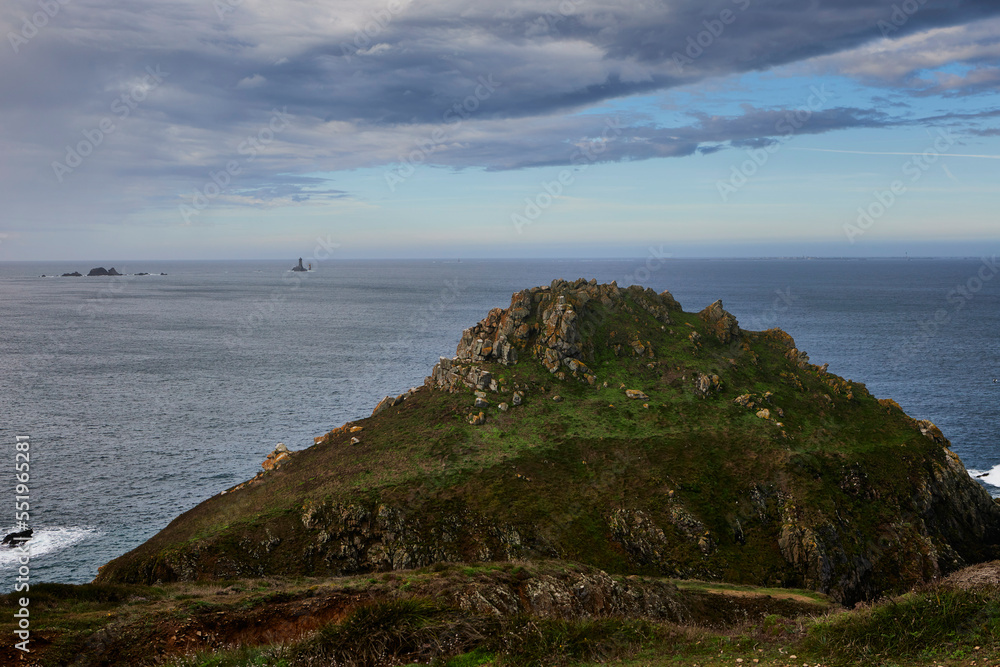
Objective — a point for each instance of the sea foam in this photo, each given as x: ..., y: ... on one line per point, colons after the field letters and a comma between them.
x: 989, y: 477
x: 44, y: 541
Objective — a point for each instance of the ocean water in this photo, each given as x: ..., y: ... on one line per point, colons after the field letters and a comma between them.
x: 144, y: 395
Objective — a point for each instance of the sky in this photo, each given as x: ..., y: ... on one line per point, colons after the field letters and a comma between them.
x: 239, y: 129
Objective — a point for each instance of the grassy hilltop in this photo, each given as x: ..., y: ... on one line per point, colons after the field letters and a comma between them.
x: 595, y: 475
x: 734, y: 459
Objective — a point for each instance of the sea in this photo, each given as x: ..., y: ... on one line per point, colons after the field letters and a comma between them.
x: 142, y: 395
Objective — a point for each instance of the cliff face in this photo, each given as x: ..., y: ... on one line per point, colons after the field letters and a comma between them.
x: 607, y: 426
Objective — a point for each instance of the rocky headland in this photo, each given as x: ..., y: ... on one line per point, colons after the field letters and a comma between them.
x: 606, y: 426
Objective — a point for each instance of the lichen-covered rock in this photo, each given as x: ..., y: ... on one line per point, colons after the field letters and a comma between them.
x: 720, y: 322
x: 706, y: 385
x: 547, y: 323
x: 390, y: 402
x: 277, y: 457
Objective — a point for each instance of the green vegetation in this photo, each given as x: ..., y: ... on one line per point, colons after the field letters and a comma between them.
x: 326, y: 621
x: 935, y: 624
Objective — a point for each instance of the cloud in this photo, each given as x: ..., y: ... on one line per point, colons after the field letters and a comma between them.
x: 367, y: 83
x: 251, y: 81
x: 925, y: 63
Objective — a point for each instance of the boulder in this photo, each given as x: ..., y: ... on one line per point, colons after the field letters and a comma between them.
x: 705, y: 385
x: 277, y: 457
x: 721, y: 323
x: 15, y: 539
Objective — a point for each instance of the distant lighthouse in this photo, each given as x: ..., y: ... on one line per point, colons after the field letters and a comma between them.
x: 299, y: 267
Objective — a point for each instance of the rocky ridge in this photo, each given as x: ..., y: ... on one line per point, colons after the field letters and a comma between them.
x: 544, y: 323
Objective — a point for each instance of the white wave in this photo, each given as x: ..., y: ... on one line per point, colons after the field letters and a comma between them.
x: 44, y: 541
x: 991, y: 477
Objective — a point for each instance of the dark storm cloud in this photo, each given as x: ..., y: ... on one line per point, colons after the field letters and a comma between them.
x: 419, y: 62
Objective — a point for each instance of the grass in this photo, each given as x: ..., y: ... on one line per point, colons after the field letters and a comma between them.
x: 385, y: 625
x: 953, y: 624
x: 812, y: 596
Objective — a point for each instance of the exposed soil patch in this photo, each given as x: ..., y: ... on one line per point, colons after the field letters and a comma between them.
x: 975, y: 576
x: 777, y: 596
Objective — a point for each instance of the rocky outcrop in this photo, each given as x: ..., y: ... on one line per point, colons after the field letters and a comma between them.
x: 15, y: 539
x: 390, y: 402
x: 650, y: 544
x: 346, y: 538
x: 721, y: 323
x: 277, y: 457
x: 101, y: 271
x: 707, y: 384
x: 556, y: 325
x: 949, y: 522
x: 573, y: 594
